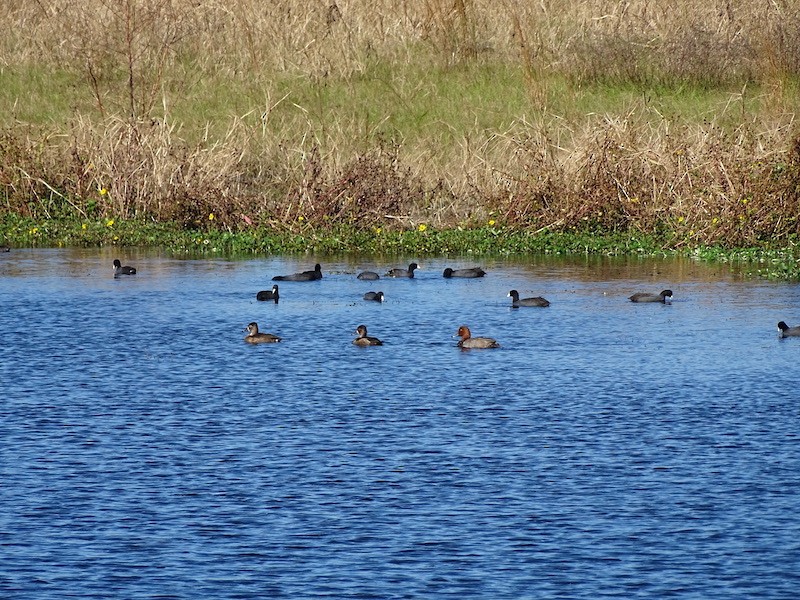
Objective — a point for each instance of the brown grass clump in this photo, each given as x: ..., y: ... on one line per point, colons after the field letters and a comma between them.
x: 701, y: 184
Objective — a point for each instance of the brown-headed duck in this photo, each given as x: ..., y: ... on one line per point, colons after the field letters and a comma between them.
x: 467, y: 341
x: 363, y: 339
x: 254, y: 337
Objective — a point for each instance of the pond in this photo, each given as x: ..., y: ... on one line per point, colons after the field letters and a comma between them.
x: 606, y: 449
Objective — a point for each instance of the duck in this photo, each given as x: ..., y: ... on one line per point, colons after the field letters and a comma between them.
x: 363, y: 339
x: 304, y: 276
x: 376, y: 296
x: 368, y: 276
x: 269, y: 294
x: 404, y: 272
x: 516, y: 302
x: 664, y: 297
x: 465, y: 273
x: 787, y: 331
x: 120, y: 270
x: 254, y: 337
x: 467, y: 341
x: 5, y: 249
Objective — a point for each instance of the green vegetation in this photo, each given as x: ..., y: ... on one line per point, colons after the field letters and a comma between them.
x: 486, y: 241
x: 593, y: 127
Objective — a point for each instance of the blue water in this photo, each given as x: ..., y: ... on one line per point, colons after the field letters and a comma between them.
x: 606, y: 450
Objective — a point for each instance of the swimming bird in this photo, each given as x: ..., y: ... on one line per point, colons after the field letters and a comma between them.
x: 363, y: 339
x: 787, y: 331
x: 516, y: 302
x: 467, y: 341
x: 5, y: 249
x: 465, y: 273
x: 376, y: 296
x: 404, y: 272
x: 254, y: 337
x: 304, y: 276
x: 269, y: 294
x: 368, y: 276
x: 120, y: 270
x: 664, y: 297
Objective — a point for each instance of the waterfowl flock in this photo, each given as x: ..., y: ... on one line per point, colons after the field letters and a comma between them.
x: 466, y: 341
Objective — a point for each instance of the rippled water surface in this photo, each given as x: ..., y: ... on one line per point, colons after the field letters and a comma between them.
x: 607, y: 449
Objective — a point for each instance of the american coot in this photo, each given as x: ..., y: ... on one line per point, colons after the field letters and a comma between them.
x: 304, y: 276
x: 664, y: 297
x: 787, y: 331
x: 404, y: 272
x: 268, y: 294
x: 376, y: 296
x: 536, y: 301
x: 466, y: 273
x: 467, y: 341
x: 120, y: 270
x: 363, y: 339
x: 254, y: 337
x: 368, y: 276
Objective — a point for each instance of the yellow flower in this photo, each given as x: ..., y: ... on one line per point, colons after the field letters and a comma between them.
x: 301, y: 218
x: 634, y: 200
x: 110, y: 223
x: 211, y: 216
x: 33, y: 230
x: 744, y: 200
x: 714, y: 221
x: 84, y: 226
x: 378, y: 230
x: 680, y: 219
x: 102, y: 191
x: 491, y: 222
x: 422, y: 227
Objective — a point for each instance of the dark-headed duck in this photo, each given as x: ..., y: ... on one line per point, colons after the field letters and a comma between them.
x: 516, y: 302
x: 368, y: 276
x: 268, y: 294
x: 787, y: 331
x: 465, y: 273
x: 120, y: 270
x: 664, y: 297
x: 375, y: 296
x: 304, y: 276
x: 404, y: 272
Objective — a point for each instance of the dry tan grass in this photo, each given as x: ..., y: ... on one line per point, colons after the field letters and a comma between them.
x: 728, y: 179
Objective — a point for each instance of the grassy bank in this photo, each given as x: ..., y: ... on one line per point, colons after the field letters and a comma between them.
x: 489, y: 241
x: 620, y: 120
